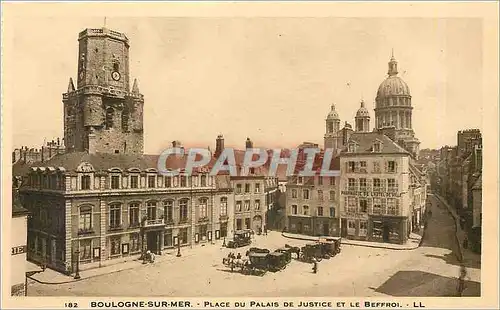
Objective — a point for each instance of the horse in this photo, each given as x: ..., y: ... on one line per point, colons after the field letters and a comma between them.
x: 294, y: 249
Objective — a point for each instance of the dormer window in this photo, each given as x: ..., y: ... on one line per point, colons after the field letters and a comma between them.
x: 351, y: 148
x: 377, y: 147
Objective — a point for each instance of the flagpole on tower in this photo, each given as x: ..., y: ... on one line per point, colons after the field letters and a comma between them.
x: 104, y: 21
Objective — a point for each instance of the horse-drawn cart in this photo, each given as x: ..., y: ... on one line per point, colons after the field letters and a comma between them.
x: 258, y: 263
x: 287, y: 252
x: 277, y: 261
x: 330, y: 246
x: 310, y: 251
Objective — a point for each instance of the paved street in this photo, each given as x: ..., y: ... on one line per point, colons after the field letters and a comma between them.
x: 430, y: 270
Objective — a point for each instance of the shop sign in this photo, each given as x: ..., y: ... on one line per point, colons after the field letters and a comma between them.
x: 354, y: 215
x: 19, y: 250
x: 371, y: 194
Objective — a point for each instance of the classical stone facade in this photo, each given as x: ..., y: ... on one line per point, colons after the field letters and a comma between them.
x: 110, y: 207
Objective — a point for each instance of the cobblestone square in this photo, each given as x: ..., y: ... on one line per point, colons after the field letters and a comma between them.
x: 430, y: 270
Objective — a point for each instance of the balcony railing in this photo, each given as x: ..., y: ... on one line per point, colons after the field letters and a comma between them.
x: 155, y: 222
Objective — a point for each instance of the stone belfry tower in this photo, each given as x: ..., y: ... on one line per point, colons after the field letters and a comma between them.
x: 102, y: 114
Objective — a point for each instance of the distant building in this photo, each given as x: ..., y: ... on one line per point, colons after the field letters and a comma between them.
x: 18, y: 233
x: 26, y: 156
x: 457, y: 178
x: 466, y: 140
x: 477, y: 203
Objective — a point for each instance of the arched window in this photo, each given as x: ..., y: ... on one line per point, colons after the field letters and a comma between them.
x: 223, y: 206
x: 203, y: 180
x: 115, y: 215
x: 125, y: 118
x: 168, y: 211
x: 109, y: 117
x: 85, y: 219
x: 203, y: 207
x: 151, y: 210
x: 183, y: 210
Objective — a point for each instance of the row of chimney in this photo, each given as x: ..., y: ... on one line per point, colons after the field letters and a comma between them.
x: 219, y: 144
x: 33, y: 155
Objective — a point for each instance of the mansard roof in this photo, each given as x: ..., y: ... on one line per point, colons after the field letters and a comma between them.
x: 17, y: 207
x: 365, y: 141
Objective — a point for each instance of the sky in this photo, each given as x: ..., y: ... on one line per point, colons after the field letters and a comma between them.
x: 270, y: 79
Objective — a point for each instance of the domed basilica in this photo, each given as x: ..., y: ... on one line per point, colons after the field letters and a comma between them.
x: 393, y: 116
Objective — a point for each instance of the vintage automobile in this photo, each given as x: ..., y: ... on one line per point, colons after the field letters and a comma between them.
x: 287, y: 251
x: 277, y: 261
x: 241, y: 238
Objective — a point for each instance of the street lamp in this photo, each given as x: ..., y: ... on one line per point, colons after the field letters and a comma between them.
x: 77, y: 273
x: 178, y: 247
x: 224, y: 243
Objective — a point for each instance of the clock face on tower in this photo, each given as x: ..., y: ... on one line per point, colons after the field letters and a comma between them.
x: 115, y: 75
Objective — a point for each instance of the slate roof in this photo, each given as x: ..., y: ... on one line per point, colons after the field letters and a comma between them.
x: 20, y: 168
x: 365, y: 140
x: 106, y: 161
x: 17, y: 207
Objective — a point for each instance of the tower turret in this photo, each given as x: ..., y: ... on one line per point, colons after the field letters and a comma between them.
x: 362, y: 119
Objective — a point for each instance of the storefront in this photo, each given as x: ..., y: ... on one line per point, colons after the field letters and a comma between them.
x: 314, y: 226
x: 389, y: 229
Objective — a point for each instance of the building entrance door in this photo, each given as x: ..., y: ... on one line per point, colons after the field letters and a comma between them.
x: 385, y: 233
x: 299, y: 227
x: 343, y: 228
x: 152, y: 241
x: 326, y: 229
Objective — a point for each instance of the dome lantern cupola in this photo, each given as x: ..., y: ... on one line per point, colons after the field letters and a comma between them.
x: 362, y: 119
x: 333, y: 115
x: 393, y: 65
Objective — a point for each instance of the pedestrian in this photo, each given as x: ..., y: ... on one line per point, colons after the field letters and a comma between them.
x: 265, y: 230
x: 238, y: 256
x: 466, y: 242
x: 461, y: 281
x: 315, y: 265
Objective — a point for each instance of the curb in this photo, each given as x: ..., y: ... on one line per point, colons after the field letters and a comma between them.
x: 81, y: 279
x: 96, y: 275
x: 356, y: 244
